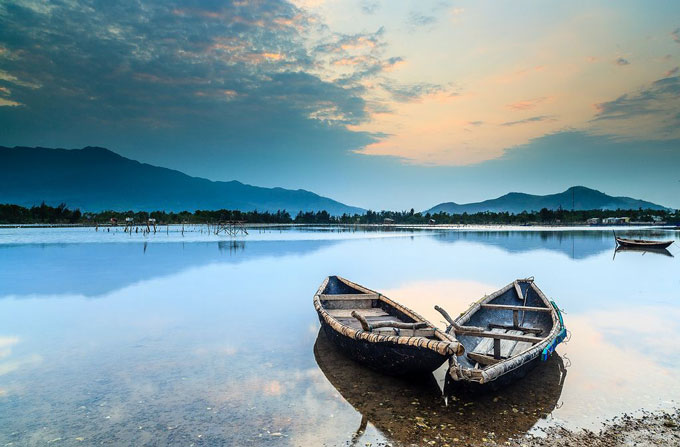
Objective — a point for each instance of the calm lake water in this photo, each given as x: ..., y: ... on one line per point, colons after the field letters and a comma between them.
x: 116, y: 339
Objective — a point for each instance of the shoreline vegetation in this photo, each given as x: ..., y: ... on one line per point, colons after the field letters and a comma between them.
x: 62, y: 215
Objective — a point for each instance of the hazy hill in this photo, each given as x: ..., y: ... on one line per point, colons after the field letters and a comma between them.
x: 516, y: 202
x: 96, y: 179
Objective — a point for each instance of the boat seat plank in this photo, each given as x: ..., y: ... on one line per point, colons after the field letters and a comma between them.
x: 354, y: 324
x: 486, y: 347
x: 426, y: 332
x: 347, y: 313
x: 498, y: 333
x: 507, y: 346
x: 524, y: 329
x: 510, y: 307
x: 349, y: 296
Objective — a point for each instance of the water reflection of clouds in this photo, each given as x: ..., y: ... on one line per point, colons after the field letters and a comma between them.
x: 11, y: 363
x: 453, y: 295
x: 6, y: 343
x: 650, y: 330
x: 616, y: 368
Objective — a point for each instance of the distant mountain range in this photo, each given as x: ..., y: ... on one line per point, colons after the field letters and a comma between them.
x: 580, y: 197
x: 97, y: 179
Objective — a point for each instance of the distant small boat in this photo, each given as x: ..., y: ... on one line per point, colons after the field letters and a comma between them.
x: 504, y: 334
x: 641, y: 243
x: 378, y: 332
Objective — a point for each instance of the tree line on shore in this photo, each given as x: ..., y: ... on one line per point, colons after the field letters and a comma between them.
x: 45, y: 214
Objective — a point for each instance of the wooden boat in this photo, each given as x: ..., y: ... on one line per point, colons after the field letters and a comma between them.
x: 378, y: 332
x: 641, y: 243
x: 504, y: 334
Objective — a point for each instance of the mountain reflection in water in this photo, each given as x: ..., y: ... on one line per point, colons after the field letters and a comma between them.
x: 415, y: 411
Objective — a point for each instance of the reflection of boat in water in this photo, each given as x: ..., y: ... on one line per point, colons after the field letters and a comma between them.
x: 411, y: 411
x: 641, y: 243
x: 378, y: 332
x: 643, y: 250
x: 504, y: 334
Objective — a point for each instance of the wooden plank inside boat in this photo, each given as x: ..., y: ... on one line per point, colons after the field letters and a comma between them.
x: 519, y: 308
x: 518, y: 290
x: 350, y: 304
x: 482, y: 359
x: 349, y: 296
x: 424, y: 332
x: 524, y: 329
x: 347, y: 313
x: 498, y: 334
x: 506, y: 348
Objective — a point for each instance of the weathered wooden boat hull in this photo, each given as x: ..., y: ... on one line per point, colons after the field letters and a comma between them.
x: 499, y: 347
x: 387, y: 358
x: 639, y: 243
x: 469, y: 386
x: 384, y: 336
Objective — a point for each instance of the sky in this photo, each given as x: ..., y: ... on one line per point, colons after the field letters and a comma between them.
x: 382, y: 105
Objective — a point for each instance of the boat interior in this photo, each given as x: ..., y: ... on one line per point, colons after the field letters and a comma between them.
x: 340, y: 299
x: 504, y: 327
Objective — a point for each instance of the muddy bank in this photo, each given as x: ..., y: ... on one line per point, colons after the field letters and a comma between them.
x: 650, y: 429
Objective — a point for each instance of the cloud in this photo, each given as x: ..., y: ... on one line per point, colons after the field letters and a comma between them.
x: 533, y: 119
x: 344, y: 43
x: 411, y: 92
x: 650, y: 100
x: 418, y: 20
x: 6, y: 344
x: 356, y: 57
x: 621, y: 62
x: 671, y: 72
x: 676, y: 35
x: 9, y: 103
x: 651, y: 112
x: 369, y: 7
x: 234, y: 75
x: 526, y: 104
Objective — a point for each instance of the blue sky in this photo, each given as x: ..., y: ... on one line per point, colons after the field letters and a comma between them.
x: 376, y: 104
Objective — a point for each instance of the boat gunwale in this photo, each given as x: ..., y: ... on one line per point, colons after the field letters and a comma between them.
x: 642, y: 242
x: 445, y: 346
x: 504, y: 366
